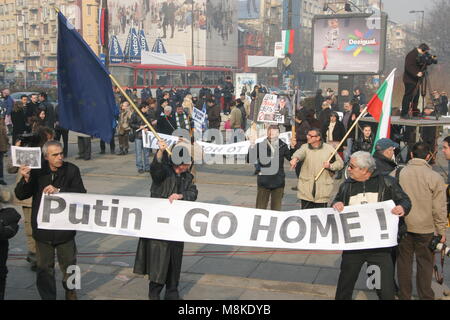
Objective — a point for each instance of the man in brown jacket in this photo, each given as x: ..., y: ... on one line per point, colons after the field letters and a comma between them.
x: 426, y: 189
x: 235, y: 116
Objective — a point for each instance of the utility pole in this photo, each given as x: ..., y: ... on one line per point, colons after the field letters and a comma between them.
x: 192, y: 36
x: 105, y: 47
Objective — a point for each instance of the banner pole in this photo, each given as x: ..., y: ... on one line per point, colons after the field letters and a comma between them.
x: 363, y: 113
x: 117, y: 84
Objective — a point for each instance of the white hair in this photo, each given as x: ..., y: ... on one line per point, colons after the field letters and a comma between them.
x: 364, y: 160
x: 48, y: 144
x: 167, y: 109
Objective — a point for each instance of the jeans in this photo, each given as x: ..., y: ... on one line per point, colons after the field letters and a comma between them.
x: 142, y: 152
x: 348, y: 151
x: 45, y: 273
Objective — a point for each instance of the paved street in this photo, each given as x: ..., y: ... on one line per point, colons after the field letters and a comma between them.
x: 208, y: 271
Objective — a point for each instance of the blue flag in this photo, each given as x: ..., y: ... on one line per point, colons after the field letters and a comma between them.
x: 158, y: 47
x: 115, y: 51
x: 85, y: 96
x: 143, y: 41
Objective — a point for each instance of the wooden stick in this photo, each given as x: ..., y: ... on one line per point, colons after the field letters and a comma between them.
x: 363, y: 113
x: 138, y: 111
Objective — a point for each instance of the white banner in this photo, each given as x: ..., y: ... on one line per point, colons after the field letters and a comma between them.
x: 262, y: 61
x: 150, y: 141
x: 357, y: 227
x: 239, y: 147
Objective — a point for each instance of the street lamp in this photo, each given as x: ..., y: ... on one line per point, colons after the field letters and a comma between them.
x: 421, y: 27
x: 24, y: 47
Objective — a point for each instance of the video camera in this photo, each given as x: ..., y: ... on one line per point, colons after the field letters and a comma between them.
x: 436, y: 245
x: 426, y: 59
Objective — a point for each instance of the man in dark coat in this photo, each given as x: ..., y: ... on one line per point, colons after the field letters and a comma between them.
x: 270, y: 154
x: 161, y: 259
x: 414, y: 73
x: 384, y: 155
x: 366, y: 185
x: 54, y: 176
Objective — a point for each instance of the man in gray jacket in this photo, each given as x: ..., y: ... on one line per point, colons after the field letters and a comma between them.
x: 426, y: 189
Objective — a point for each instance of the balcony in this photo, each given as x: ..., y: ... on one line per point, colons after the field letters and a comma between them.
x: 34, y: 54
x: 34, y: 38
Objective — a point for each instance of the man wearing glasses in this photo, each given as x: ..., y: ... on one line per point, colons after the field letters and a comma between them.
x: 315, y: 155
x: 366, y: 185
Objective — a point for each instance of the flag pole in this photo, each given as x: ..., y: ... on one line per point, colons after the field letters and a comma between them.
x: 363, y: 113
x: 117, y: 84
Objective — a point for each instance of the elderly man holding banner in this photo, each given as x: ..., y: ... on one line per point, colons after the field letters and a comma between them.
x: 366, y: 185
x: 161, y: 259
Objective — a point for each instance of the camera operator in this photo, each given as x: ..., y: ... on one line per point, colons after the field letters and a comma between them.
x: 428, y: 215
x: 416, y: 63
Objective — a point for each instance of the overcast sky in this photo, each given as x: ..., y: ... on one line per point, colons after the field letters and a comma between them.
x: 398, y: 10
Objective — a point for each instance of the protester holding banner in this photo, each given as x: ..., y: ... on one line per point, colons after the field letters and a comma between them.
x: 270, y: 154
x: 160, y: 259
x: 366, y: 185
x: 427, y: 191
x: 138, y: 125
x: 315, y: 155
x: 54, y: 176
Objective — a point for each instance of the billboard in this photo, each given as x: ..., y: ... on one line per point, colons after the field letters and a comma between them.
x: 215, y: 27
x: 245, y: 83
x: 249, y: 9
x: 349, y: 44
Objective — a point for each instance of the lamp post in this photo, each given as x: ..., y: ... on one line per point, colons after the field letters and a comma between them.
x: 421, y: 25
x: 192, y: 37
x: 24, y: 48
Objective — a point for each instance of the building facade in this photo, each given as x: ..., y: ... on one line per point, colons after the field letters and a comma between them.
x: 8, y: 38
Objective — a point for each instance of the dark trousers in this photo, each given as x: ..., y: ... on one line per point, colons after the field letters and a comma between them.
x: 84, y: 147
x: 172, y: 278
x: 275, y: 196
x: 2, y: 155
x: 351, y: 264
x: 415, y: 244
x: 65, y: 137
x: 112, y: 145
x: 123, y: 142
x: 226, y: 105
x: 312, y: 205
x: 45, y: 273
x: 3, y: 269
x: 411, y: 95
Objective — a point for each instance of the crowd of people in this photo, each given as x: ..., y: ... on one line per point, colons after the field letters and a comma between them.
x: 315, y: 153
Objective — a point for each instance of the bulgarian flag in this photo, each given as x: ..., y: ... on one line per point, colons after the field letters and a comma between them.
x: 287, y: 36
x: 380, y: 107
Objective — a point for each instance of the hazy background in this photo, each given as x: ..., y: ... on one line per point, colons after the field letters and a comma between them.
x: 398, y: 10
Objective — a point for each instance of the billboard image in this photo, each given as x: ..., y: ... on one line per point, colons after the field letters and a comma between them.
x: 348, y: 44
x: 249, y: 9
x: 245, y: 83
x: 215, y: 27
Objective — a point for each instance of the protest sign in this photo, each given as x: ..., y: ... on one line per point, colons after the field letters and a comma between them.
x: 199, y: 118
x: 268, y: 112
x: 24, y: 156
x: 357, y: 227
